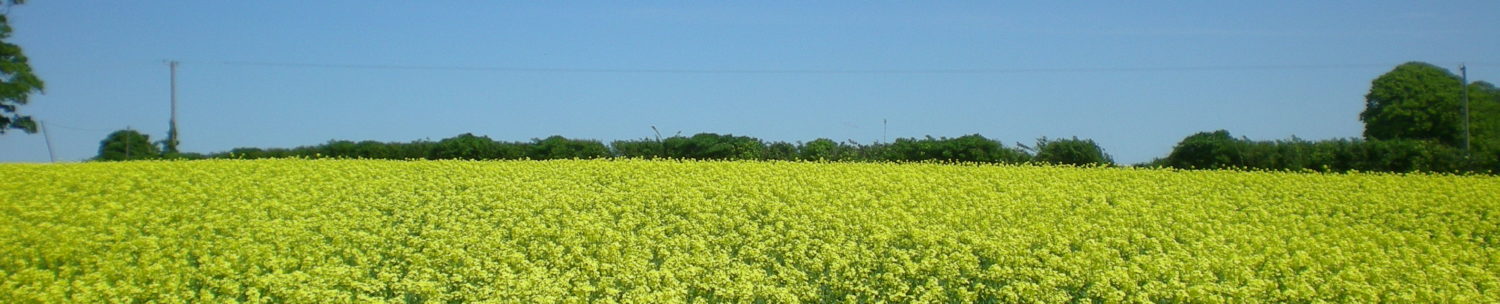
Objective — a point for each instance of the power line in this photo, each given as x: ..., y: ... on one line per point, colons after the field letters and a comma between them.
x: 798, y: 71
x: 55, y: 124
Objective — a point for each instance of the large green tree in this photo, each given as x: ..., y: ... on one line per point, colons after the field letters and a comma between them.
x: 1416, y: 100
x: 17, y: 82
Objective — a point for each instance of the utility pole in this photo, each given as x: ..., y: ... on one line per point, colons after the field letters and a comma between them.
x: 884, y: 126
x: 172, y: 129
x: 48, y: 137
x: 1464, y: 70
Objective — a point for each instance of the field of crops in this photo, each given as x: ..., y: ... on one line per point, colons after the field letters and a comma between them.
x: 335, y: 231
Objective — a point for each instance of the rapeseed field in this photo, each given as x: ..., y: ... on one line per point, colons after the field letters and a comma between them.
x: 641, y: 231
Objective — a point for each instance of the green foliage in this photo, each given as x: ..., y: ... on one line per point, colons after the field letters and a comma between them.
x: 781, y: 151
x: 558, y: 147
x: 1215, y: 150
x: 17, y: 83
x: 1415, y: 101
x: 714, y: 146
x: 1484, y: 113
x: 643, y: 148
x: 127, y: 145
x: 1073, y: 151
x: 824, y: 149
x: 971, y: 148
x: 340, y: 149
x: 1414, y: 122
x: 1207, y: 150
x: 468, y: 146
x: 967, y: 148
x: 373, y: 150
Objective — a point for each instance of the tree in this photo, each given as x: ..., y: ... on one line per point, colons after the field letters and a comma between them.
x: 127, y: 145
x: 1484, y: 116
x: 1071, y: 152
x: 642, y: 148
x: 714, y: 146
x: 1415, y: 101
x: 1207, y: 150
x: 465, y: 146
x: 781, y: 151
x: 17, y: 81
x: 558, y: 147
x: 820, y: 149
x: 967, y: 148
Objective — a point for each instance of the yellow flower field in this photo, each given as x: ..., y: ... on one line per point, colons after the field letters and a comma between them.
x: 342, y: 231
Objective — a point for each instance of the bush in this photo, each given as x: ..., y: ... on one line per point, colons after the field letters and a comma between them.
x: 421, y: 149
x: 967, y: 148
x: 127, y: 145
x: 558, y: 147
x: 463, y: 146
x: 1207, y: 150
x: 714, y: 146
x: 781, y: 151
x: 1073, y: 151
x: 1212, y: 150
x: 823, y: 149
x: 642, y: 148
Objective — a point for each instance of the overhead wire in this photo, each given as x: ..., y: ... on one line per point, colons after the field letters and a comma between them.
x: 515, y: 69
x: 55, y: 124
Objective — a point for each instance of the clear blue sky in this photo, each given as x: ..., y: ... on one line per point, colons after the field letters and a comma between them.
x: 1135, y: 76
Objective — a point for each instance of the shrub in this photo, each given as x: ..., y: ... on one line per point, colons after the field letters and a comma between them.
x: 714, y: 146
x: 1207, y: 150
x: 558, y: 147
x: 968, y: 148
x: 127, y: 145
x: 1071, y: 152
x: 642, y: 148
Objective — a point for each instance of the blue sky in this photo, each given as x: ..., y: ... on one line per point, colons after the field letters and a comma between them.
x: 1135, y: 76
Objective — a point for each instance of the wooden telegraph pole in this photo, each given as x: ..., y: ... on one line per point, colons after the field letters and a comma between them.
x: 172, y: 128
x: 1464, y: 70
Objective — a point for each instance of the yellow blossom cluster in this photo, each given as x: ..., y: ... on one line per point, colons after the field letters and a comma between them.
x: 639, y: 231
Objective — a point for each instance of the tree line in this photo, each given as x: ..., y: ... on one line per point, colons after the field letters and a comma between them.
x: 1220, y: 150
x: 1204, y: 150
x: 132, y: 145
x: 1413, y: 122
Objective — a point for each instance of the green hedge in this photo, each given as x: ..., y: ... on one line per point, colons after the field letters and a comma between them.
x: 968, y: 148
x: 1213, y: 150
